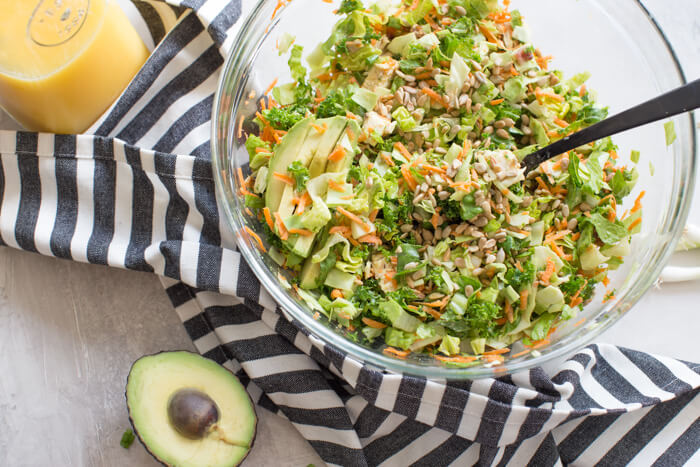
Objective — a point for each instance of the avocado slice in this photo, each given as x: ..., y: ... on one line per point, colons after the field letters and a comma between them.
x: 284, y: 154
x: 349, y: 142
x: 188, y: 411
x: 335, y: 125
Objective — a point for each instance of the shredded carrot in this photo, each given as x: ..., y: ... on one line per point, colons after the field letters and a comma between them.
x: 268, y: 218
x: 373, y: 324
x: 579, y: 322
x: 414, y: 5
x: 557, y: 236
x: 435, y: 96
x: 432, y: 168
x: 249, y: 212
x: 606, y: 281
x: 434, y: 220
x: 638, y: 202
x: 336, y: 293
x: 340, y: 229
x: 523, y: 299
x: 364, y: 225
x: 302, y: 232
x: 540, y: 94
x: 541, y: 183
x: 576, y: 300
x: 520, y: 354
x: 283, y: 177
x: 509, y: 311
x: 402, y: 149
x: 256, y: 237
x: 337, y: 154
x: 271, y: 86
x: 519, y: 266
x: 497, y: 101
x: 386, y: 158
x: 576, y: 236
x: 543, y: 62
x: 582, y: 91
x: 434, y: 313
x: 304, y: 201
x: 260, y: 149
x: 284, y: 235
x: 634, y: 224
x: 320, y: 129
x: 497, y: 351
x: 373, y: 239
x: 398, y: 353
x: 547, y: 273
x: 540, y: 343
x: 335, y: 186
x: 561, y: 123
x: 488, y: 34
x: 410, y: 181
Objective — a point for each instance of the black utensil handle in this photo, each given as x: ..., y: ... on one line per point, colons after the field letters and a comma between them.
x: 683, y: 99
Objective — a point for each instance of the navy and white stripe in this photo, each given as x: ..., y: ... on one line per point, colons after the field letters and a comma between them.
x: 138, y: 193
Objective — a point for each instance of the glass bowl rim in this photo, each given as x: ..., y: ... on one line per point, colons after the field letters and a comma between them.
x: 381, y: 361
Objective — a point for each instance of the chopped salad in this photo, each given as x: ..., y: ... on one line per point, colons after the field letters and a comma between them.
x: 387, y: 178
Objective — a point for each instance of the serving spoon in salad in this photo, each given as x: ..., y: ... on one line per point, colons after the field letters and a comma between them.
x: 680, y: 100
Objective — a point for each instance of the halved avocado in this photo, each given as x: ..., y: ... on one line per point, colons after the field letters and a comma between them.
x: 188, y: 411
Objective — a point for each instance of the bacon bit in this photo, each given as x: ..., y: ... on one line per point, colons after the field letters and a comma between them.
x: 337, y: 154
x: 435, y: 96
x: 638, y: 202
x: 520, y: 354
x: 386, y: 158
x: 402, y: 149
x: 460, y: 359
x: 240, y: 127
x: 284, y: 235
x: 373, y: 239
x: 364, y: 225
x: 497, y: 101
x: 271, y: 86
x: 318, y: 128
x: 634, y: 224
x: 335, y: 186
x: 256, y: 237
x: 523, y: 299
x: 284, y: 178
x: 373, y: 324
x: 302, y: 232
x: 241, y: 179
x: 561, y: 123
x: 396, y: 352
x: 410, y: 181
x: 268, y: 218
x: 579, y: 322
x: 336, y: 293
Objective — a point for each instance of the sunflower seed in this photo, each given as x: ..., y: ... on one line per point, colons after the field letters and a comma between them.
x: 501, y: 133
x: 571, y: 225
x: 468, y: 289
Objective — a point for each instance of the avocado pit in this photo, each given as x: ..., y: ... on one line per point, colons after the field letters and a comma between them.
x: 192, y: 413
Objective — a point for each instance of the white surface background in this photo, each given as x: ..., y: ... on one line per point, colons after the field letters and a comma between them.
x: 69, y: 333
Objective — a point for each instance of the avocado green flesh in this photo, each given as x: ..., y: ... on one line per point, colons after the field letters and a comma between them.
x: 285, y: 153
x: 155, y: 378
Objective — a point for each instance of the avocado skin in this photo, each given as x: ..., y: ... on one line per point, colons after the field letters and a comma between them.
x: 138, y: 435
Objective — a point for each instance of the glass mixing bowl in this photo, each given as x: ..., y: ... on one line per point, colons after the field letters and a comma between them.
x: 630, y: 60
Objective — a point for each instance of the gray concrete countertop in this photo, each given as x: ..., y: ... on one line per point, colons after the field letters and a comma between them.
x: 69, y: 333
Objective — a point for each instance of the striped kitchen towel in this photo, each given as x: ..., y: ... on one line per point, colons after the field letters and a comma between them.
x: 138, y: 193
